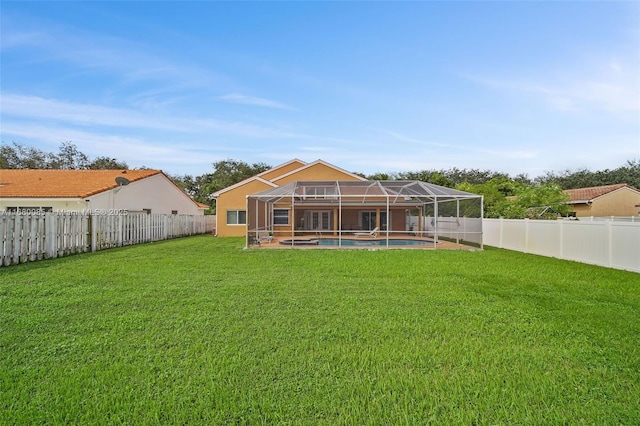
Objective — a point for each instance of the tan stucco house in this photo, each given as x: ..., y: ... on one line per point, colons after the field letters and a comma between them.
x: 608, y: 200
x: 231, y: 202
x: 94, y: 191
x: 300, y: 200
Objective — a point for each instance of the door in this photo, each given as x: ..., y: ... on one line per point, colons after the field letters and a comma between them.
x: 320, y: 220
x: 368, y: 220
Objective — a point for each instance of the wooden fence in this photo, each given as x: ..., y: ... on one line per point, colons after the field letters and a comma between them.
x: 37, y: 236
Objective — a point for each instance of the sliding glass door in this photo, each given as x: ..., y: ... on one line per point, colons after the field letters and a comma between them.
x: 368, y: 220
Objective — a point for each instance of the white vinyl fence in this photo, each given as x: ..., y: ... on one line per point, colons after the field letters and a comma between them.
x: 37, y: 236
x: 611, y: 243
x: 459, y: 229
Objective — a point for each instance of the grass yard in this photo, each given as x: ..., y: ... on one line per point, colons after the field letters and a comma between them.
x: 199, y: 331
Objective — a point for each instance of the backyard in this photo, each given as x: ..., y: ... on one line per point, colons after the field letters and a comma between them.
x: 199, y: 331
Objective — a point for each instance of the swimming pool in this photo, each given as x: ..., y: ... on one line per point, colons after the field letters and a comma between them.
x: 351, y: 242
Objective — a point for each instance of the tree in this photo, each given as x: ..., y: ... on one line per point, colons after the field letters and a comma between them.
x: 228, y: 172
x: 70, y: 158
x: 200, y: 187
x: 106, y: 163
x: 380, y: 176
x: 495, y: 192
x: 542, y: 196
x: 18, y: 156
x: 504, y: 197
x: 584, y: 178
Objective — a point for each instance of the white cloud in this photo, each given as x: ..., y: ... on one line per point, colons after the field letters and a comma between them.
x: 34, y: 107
x: 74, y: 114
x: 237, y: 98
x: 129, y: 62
x: 501, y: 153
x: 611, y: 85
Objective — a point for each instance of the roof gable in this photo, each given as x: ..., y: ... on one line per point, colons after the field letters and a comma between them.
x: 265, y: 176
x: 319, y: 164
x: 283, y: 168
x: 242, y: 183
x: 284, y: 173
x: 584, y: 195
x: 37, y: 183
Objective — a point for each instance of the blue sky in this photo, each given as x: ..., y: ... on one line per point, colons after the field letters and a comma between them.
x: 517, y: 87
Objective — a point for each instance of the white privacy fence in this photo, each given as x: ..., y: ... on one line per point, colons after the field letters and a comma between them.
x: 459, y: 229
x: 37, y: 236
x: 611, y: 243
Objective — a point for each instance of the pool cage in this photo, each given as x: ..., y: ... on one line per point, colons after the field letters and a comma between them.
x: 305, y: 212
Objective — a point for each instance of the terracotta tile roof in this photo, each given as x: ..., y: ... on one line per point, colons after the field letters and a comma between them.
x: 63, y: 183
x: 586, y: 194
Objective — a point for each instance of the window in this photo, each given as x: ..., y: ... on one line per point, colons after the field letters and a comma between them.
x: 174, y: 211
x: 236, y: 217
x: 280, y: 216
x: 147, y: 211
x: 319, y: 192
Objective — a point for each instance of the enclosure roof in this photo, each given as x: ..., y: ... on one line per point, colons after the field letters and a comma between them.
x: 394, y: 190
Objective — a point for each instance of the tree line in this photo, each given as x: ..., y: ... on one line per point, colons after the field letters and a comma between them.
x: 504, y: 196
x: 68, y: 157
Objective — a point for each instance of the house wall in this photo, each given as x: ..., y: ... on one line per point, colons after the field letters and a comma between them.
x: 156, y: 193
x: 350, y: 219
x: 398, y: 220
x: 617, y: 203
x: 235, y: 199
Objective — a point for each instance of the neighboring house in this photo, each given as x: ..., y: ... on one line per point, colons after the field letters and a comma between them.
x: 608, y: 200
x: 231, y: 202
x: 96, y: 191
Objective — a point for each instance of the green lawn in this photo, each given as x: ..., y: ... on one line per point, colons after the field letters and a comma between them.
x: 200, y: 331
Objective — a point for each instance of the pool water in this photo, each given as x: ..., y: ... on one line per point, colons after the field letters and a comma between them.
x: 372, y: 243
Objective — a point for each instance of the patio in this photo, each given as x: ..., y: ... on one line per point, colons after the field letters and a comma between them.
x: 351, y: 210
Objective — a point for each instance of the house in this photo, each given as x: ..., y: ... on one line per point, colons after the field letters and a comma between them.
x: 386, y: 209
x: 609, y: 200
x: 94, y: 191
x: 318, y: 199
x: 231, y: 202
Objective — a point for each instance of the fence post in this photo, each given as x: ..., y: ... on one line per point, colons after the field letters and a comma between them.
x: 561, y: 224
x: 93, y: 231
x: 52, y: 224
x: 609, y: 227
x: 16, y: 239
x: 119, y: 231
